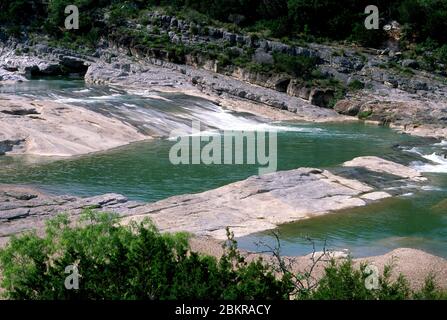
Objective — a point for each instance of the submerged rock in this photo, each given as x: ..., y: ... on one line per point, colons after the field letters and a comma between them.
x: 440, y: 207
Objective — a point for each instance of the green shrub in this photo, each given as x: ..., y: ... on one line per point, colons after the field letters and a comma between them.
x: 364, y: 114
x: 356, y: 85
x: 298, y: 66
x: 137, y: 262
x: 128, y: 262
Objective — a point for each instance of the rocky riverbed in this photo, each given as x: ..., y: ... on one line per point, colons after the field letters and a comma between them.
x: 256, y: 204
x: 413, y: 102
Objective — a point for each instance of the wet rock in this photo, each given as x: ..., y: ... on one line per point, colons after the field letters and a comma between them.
x: 74, y: 64
x: 10, y: 75
x: 9, y: 145
x: 20, y: 195
x: 440, y: 207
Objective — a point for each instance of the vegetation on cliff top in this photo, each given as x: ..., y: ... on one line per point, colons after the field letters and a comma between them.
x: 137, y: 262
x: 131, y: 25
x: 422, y: 19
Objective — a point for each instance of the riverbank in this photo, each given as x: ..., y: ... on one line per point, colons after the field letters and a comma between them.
x: 252, y: 205
x: 416, y: 111
x: 414, y: 264
x: 26, y: 209
x: 249, y: 206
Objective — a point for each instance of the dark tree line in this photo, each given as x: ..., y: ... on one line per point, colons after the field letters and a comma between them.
x: 331, y: 19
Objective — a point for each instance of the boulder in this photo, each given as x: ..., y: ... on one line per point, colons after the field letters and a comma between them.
x: 385, y: 166
x: 348, y: 107
x: 262, y: 57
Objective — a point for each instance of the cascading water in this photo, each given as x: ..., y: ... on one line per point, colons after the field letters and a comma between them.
x: 142, y: 171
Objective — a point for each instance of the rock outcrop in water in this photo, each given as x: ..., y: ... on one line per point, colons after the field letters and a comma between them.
x: 54, y: 129
x: 414, y: 101
x: 165, y: 75
x: 255, y: 204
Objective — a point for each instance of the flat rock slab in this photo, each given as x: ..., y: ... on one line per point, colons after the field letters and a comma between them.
x: 25, y: 208
x: 256, y: 204
x: 385, y: 166
x: 54, y: 129
x: 261, y: 202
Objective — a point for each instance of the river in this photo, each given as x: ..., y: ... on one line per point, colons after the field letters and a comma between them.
x: 142, y: 171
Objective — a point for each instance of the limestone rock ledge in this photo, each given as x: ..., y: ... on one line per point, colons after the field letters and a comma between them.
x: 50, y: 128
x: 252, y: 205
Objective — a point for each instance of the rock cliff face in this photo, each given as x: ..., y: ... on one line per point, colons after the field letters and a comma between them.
x: 255, y: 204
x: 21, y: 60
x: 163, y: 75
x: 382, y: 86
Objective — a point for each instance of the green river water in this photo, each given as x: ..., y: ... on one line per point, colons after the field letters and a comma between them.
x: 142, y: 171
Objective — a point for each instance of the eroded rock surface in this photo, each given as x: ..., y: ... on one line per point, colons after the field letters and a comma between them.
x: 25, y: 208
x: 54, y: 129
x: 255, y: 204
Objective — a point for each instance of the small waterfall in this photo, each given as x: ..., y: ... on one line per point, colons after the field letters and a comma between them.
x: 436, y: 154
x: 153, y: 113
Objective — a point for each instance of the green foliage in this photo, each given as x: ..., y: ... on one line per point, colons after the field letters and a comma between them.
x: 128, y: 262
x: 137, y: 262
x: 441, y: 54
x: 290, y: 20
x: 356, y: 85
x: 364, y: 114
x: 342, y: 281
x: 367, y: 38
x: 299, y: 66
x: 430, y: 290
x: 425, y: 19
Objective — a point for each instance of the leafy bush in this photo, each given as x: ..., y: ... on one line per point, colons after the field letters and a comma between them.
x: 367, y: 38
x: 364, y: 114
x: 356, y: 85
x: 128, y: 262
x: 137, y: 262
x: 299, y: 66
